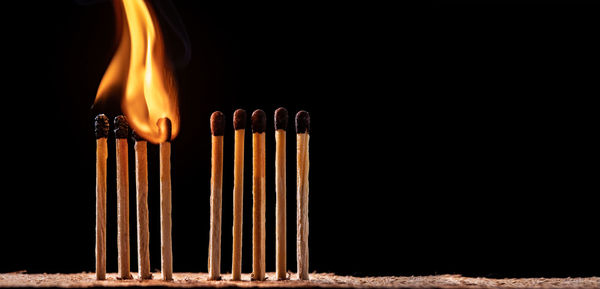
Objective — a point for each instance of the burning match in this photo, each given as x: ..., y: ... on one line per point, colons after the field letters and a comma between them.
x: 121, y: 134
x: 101, y: 129
x: 217, y: 125
x: 281, y: 121
x: 239, y: 125
x: 259, y: 123
x: 141, y: 181
x: 302, y: 165
x: 141, y: 75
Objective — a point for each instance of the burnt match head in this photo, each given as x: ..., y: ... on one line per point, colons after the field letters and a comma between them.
x: 239, y: 119
x: 136, y: 136
x: 281, y: 118
x: 302, y: 122
x: 121, y: 127
x: 101, y: 126
x: 217, y: 123
x: 164, y: 124
x: 259, y: 121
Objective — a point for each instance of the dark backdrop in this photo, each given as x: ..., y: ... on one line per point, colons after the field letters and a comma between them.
x: 438, y: 144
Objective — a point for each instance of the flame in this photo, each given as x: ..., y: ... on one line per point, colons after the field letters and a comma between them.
x: 139, y: 72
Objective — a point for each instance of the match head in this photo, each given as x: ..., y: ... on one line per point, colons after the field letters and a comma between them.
x: 302, y: 122
x: 121, y: 127
x: 217, y: 123
x: 281, y: 118
x: 259, y: 121
x: 136, y: 136
x: 239, y: 119
x: 101, y: 126
x: 165, y: 124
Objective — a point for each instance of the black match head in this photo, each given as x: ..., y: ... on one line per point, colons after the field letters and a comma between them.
x: 259, y: 121
x: 281, y: 118
x: 239, y: 119
x: 101, y: 126
x: 217, y: 123
x: 302, y: 122
x: 165, y: 124
x: 136, y: 136
x: 121, y: 127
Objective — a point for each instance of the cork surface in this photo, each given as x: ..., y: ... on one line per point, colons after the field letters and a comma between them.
x: 319, y: 280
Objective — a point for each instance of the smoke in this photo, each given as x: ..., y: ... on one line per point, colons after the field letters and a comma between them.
x: 174, y: 30
x: 169, y: 14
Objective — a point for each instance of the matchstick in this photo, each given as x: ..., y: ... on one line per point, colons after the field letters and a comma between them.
x: 141, y: 181
x: 302, y: 165
x: 121, y: 134
x: 101, y: 130
x: 281, y: 121
x: 217, y: 126
x: 166, y: 250
x: 259, y: 123
x: 239, y: 125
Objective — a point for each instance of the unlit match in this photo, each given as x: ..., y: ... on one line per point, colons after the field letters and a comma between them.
x: 281, y: 122
x: 302, y: 166
x: 217, y: 126
x: 239, y: 125
x: 259, y: 123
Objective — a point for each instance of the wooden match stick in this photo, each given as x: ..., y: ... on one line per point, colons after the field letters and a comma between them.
x: 302, y: 165
x: 141, y: 181
x: 217, y: 126
x: 121, y: 134
x: 166, y: 247
x: 259, y: 123
x: 101, y: 130
x: 239, y: 125
x: 281, y: 122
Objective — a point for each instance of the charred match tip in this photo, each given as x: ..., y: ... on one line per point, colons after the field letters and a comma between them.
x: 101, y: 126
x: 121, y: 127
x: 259, y: 121
x: 302, y: 122
x: 136, y: 136
x: 165, y: 123
x: 281, y: 118
x: 239, y: 119
x: 217, y: 123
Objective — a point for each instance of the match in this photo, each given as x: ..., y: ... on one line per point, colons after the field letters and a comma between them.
x: 217, y: 126
x: 166, y: 250
x: 121, y: 134
x: 302, y: 166
x: 281, y: 122
x: 141, y: 181
x: 259, y: 123
x: 101, y: 130
x: 239, y: 125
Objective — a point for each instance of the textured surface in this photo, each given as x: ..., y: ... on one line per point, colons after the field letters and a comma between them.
x: 121, y: 127
x: 101, y: 126
x: 281, y: 118
x: 85, y: 280
x: 239, y: 119
x: 302, y: 122
x: 259, y: 121
x: 217, y: 123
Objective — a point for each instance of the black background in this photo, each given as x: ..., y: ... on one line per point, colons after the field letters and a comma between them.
x: 440, y: 141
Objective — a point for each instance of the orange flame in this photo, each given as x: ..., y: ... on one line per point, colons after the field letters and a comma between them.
x: 140, y: 73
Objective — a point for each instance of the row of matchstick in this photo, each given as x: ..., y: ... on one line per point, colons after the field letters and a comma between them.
x: 217, y: 123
